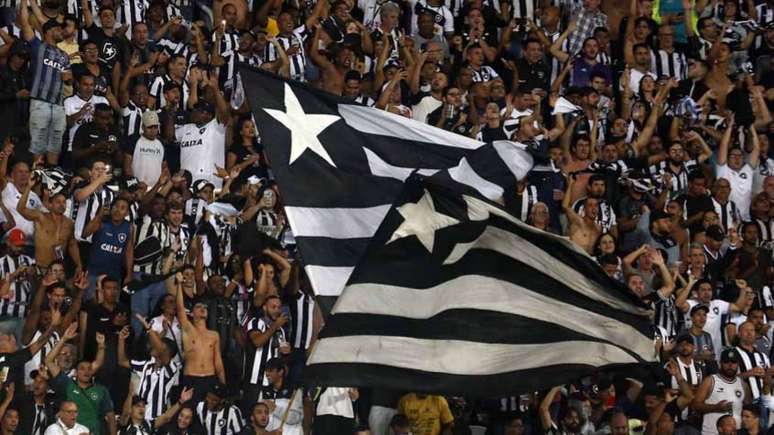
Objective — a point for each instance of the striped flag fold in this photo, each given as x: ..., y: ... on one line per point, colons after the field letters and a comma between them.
x: 340, y: 166
x: 454, y: 295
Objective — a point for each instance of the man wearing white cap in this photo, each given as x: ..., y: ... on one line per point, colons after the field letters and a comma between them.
x: 144, y: 153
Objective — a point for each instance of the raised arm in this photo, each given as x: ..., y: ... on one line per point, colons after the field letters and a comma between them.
x: 545, y: 406
x: 185, y: 324
x: 756, y: 148
x: 53, y: 368
x: 556, y: 48
x: 24, y: 19
x: 185, y: 395
x: 88, y: 19
x: 123, y: 360
x: 725, y: 142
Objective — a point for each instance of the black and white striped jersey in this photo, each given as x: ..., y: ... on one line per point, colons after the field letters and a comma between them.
x: 728, y: 213
x: 20, y: 290
x: 302, y: 318
x: 152, y: 228
x: 157, y: 91
x: 255, y: 358
x: 672, y: 64
x: 748, y: 361
x: 132, y: 119
x: 86, y: 210
x: 297, y: 61
x: 155, y: 384
x: 225, y: 421
x: 605, y: 217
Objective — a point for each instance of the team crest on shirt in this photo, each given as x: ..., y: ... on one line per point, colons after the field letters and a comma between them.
x: 221, y: 422
x: 716, y: 310
x: 122, y: 237
x: 738, y: 393
x: 743, y: 176
x: 201, y: 130
x: 109, y: 51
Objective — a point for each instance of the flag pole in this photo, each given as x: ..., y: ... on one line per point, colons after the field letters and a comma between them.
x: 287, y: 410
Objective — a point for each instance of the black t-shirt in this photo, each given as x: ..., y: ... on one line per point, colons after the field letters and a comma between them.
x: 257, y: 169
x: 532, y: 76
x: 101, y: 82
x: 110, y: 47
x: 88, y: 136
x: 463, y: 129
x: 99, y: 320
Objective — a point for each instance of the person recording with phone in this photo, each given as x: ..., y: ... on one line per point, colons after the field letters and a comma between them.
x: 450, y: 115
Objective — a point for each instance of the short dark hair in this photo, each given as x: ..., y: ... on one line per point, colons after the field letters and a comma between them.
x: 399, y: 420
x: 528, y: 41
x: 109, y: 279
x: 102, y: 107
x: 756, y: 411
x: 696, y: 175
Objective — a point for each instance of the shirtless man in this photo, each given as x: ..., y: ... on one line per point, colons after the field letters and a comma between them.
x: 333, y: 73
x: 584, y: 230
x: 53, y: 230
x: 201, y: 348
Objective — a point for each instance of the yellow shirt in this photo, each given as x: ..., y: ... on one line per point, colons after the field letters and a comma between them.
x: 427, y: 415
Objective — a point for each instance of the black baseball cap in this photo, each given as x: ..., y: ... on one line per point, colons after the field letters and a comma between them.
x: 684, y: 338
x: 204, y: 106
x: 699, y: 307
x: 729, y: 356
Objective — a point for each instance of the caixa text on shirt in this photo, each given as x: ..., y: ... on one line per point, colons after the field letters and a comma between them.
x: 113, y: 249
x: 53, y: 64
x: 191, y: 143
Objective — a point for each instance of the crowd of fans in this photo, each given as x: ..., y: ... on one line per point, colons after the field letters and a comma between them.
x: 132, y: 174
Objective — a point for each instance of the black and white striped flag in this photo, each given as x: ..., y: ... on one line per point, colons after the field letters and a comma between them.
x: 455, y: 295
x: 340, y: 166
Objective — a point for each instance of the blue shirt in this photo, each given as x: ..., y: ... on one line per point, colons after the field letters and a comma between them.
x: 108, y: 248
x: 48, y: 63
x: 582, y: 70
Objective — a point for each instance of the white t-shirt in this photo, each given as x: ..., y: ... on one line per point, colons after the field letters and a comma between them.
x: 73, y: 105
x: 336, y: 401
x: 425, y: 107
x: 11, y: 196
x: 741, y: 187
x: 635, y: 77
x: 147, y: 160
x: 59, y: 428
x: 201, y: 148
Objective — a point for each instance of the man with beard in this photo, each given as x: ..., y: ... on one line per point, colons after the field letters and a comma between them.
x: 722, y: 393
x: 51, y: 69
x: 259, y: 419
x: 203, y: 140
x: 685, y: 370
x: 333, y: 72
x: 427, y: 102
x: 267, y: 341
x: 53, y: 230
x: 676, y: 166
x: 569, y: 423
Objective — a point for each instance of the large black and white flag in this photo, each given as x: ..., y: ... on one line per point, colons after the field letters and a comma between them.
x: 455, y: 295
x: 340, y: 166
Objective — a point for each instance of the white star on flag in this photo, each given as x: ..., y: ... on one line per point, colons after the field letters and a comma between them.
x: 422, y: 220
x: 304, y: 128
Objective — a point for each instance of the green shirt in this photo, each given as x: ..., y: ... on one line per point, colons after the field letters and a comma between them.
x: 93, y: 402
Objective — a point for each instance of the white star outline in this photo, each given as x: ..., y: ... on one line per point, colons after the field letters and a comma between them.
x: 304, y: 128
x: 422, y: 220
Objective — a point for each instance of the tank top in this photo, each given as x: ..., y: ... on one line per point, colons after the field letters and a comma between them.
x: 108, y: 248
x: 732, y: 392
